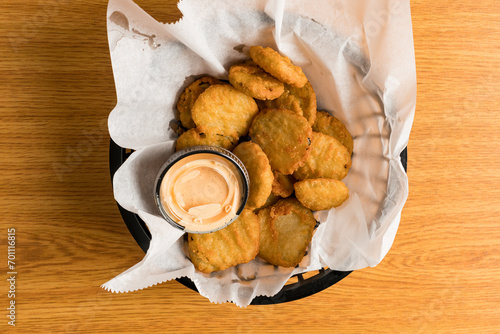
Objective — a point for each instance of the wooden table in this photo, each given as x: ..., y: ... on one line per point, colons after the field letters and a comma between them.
x: 441, y: 275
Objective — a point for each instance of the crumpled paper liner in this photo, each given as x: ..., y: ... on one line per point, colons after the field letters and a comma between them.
x: 359, y: 58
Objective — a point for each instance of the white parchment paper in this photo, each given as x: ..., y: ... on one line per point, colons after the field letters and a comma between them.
x: 359, y: 58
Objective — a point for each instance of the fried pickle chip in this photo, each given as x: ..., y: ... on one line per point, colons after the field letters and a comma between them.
x: 321, y: 194
x: 226, y: 108
x: 189, y: 96
x: 329, y: 125
x: 254, y: 81
x: 278, y: 66
x: 282, y: 184
x: 286, y: 229
x: 328, y: 159
x: 235, y: 244
x: 259, y: 172
x: 205, y: 135
x: 301, y: 100
x: 284, y: 136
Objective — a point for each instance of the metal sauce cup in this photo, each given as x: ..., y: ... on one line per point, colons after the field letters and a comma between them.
x: 242, y: 174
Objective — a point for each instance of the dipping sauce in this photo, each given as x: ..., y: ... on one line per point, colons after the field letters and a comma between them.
x: 202, y: 192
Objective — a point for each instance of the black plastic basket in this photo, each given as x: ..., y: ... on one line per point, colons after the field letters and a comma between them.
x: 303, y: 287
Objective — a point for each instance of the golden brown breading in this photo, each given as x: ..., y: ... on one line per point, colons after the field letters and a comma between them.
x: 205, y: 135
x: 235, y: 244
x: 189, y: 96
x: 307, y: 100
x: 301, y: 100
x: 259, y: 172
x: 328, y: 159
x: 329, y: 125
x: 286, y: 101
x: 271, y: 200
x: 263, y: 105
x: 254, y: 81
x: 282, y: 184
x: 286, y: 229
x: 284, y: 136
x: 321, y: 194
x: 226, y: 108
x: 278, y: 66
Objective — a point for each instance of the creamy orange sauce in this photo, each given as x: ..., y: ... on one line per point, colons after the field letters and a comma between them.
x: 201, y: 192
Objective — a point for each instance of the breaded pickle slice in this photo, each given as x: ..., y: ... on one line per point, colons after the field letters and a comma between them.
x: 259, y: 171
x: 329, y: 125
x: 321, y: 194
x: 235, y: 244
x: 205, y: 135
x: 286, y: 229
x: 328, y: 159
x: 254, y: 81
x: 226, y: 108
x: 189, y: 96
x: 278, y: 66
x: 284, y: 136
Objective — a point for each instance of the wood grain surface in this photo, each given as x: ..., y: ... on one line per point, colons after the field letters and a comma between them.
x: 441, y: 275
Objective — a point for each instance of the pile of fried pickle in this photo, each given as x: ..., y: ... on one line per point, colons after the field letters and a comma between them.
x: 295, y: 158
